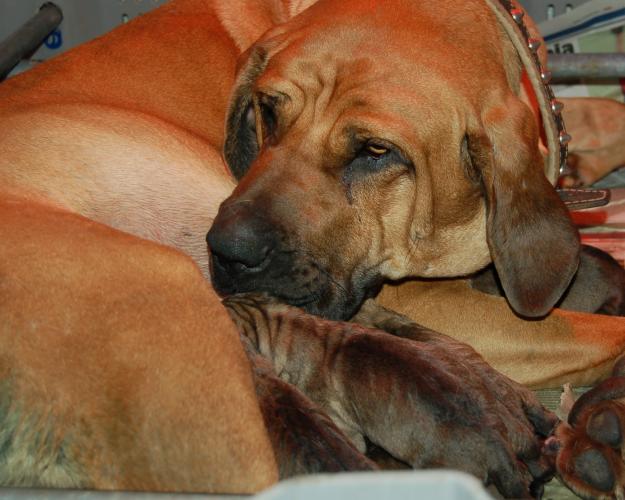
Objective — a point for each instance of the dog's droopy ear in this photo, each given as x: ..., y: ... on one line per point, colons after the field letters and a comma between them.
x: 241, y: 146
x: 532, y: 240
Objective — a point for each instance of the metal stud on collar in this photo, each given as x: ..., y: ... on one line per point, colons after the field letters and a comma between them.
x: 517, y: 15
x: 533, y: 44
x: 564, y: 139
x: 545, y: 76
x: 556, y: 107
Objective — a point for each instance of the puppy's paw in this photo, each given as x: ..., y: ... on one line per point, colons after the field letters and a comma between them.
x: 588, y: 449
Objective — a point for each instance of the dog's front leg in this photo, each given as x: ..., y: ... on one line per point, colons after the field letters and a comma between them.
x: 425, y: 403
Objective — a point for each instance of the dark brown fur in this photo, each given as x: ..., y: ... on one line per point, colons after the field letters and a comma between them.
x: 427, y: 400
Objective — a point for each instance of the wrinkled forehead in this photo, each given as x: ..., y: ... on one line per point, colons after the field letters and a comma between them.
x: 310, y: 50
x: 384, y: 62
x: 321, y: 50
x: 345, y: 76
x: 407, y: 35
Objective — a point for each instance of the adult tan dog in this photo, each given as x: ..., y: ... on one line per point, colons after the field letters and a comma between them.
x: 148, y: 387
x: 445, y: 157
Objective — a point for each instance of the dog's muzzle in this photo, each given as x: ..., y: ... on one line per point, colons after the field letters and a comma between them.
x: 249, y: 252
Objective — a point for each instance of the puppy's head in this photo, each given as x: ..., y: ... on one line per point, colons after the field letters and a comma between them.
x: 368, y: 149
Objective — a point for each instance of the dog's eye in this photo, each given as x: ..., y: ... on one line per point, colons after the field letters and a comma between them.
x: 375, y: 150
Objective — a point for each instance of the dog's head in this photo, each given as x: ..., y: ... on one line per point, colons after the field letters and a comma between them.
x: 381, y: 140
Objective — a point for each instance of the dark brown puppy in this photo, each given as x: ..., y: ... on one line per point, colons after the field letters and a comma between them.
x: 426, y: 399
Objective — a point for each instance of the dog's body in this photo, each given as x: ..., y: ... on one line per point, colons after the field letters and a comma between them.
x: 123, y: 136
x: 108, y: 364
x: 112, y: 345
x: 424, y: 421
x: 85, y: 132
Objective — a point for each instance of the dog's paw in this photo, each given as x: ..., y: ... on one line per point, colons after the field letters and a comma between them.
x: 588, y: 448
x: 482, y: 422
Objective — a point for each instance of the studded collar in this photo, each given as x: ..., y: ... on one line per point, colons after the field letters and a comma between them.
x: 511, y: 18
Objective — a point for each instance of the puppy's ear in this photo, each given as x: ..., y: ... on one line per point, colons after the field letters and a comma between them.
x: 241, y: 146
x: 532, y: 240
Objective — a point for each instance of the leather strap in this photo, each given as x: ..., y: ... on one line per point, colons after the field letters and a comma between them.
x: 579, y: 199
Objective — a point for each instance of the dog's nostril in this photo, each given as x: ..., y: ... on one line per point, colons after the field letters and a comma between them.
x: 241, y: 256
x: 239, y: 267
x: 229, y: 265
x: 248, y: 255
x: 246, y: 266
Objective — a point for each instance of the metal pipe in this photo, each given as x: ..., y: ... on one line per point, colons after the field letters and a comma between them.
x: 567, y: 67
x: 29, y: 37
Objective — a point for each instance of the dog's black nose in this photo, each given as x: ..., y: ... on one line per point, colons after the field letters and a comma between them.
x: 240, y: 237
